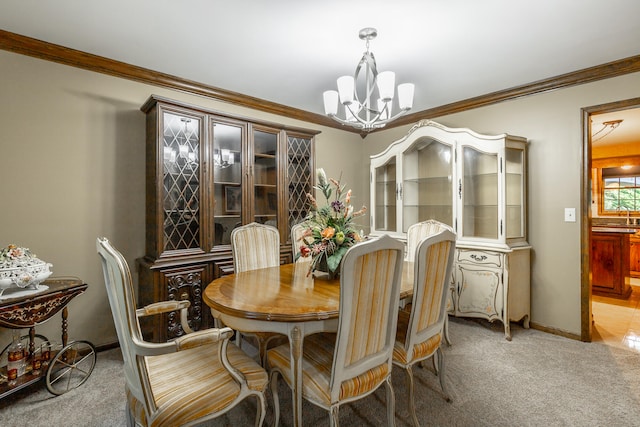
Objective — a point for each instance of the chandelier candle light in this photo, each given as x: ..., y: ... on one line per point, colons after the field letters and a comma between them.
x: 360, y: 112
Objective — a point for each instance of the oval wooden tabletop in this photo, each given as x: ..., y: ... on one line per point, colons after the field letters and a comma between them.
x: 283, y: 293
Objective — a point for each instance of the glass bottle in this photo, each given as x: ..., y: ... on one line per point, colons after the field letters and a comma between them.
x: 16, y: 357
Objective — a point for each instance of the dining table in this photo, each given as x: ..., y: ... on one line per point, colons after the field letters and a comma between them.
x: 285, y: 300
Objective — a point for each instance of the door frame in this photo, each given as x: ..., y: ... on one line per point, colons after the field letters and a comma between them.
x: 586, y: 315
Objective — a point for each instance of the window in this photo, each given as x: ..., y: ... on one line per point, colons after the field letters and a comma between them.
x: 621, y: 193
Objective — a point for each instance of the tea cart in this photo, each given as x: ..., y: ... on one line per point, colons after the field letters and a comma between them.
x: 64, y: 366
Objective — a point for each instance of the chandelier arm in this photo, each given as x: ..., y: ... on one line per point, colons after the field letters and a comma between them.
x: 345, y: 122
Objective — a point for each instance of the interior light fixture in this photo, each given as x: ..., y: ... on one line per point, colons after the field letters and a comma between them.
x: 607, y: 127
x: 364, y: 111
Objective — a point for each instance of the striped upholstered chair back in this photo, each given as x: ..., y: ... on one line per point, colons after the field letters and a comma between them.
x: 255, y: 246
x: 432, y: 270
x: 370, y: 280
x: 419, y: 231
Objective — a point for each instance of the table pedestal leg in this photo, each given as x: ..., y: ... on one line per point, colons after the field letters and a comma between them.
x: 295, y: 341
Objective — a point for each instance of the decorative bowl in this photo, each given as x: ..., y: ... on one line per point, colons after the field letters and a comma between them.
x: 19, y: 268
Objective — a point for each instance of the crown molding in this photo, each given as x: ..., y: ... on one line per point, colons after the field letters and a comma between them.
x: 51, y: 52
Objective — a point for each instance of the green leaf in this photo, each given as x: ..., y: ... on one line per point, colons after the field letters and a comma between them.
x: 333, y: 261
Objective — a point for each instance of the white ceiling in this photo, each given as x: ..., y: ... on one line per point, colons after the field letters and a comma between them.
x: 290, y: 51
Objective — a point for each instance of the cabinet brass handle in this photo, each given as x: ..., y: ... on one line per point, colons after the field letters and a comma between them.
x: 478, y: 257
x: 184, y: 296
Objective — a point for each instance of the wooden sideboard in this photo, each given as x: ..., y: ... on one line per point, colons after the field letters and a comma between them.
x: 610, y: 262
x: 634, y: 260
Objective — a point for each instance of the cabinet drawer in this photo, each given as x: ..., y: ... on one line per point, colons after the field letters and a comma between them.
x: 473, y: 256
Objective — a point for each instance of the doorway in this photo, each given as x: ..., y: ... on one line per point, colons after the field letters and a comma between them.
x: 611, y: 133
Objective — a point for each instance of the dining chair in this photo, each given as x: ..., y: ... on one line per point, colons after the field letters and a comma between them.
x: 417, y: 232
x: 194, y: 378
x: 348, y: 365
x: 255, y: 246
x: 420, y: 331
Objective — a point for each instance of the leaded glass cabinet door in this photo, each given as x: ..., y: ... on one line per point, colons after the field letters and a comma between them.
x: 479, y: 188
x: 228, y: 165
x: 427, y: 190
x: 265, y: 176
x: 386, y: 189
x: 299, y: 177
x: 181, y: 181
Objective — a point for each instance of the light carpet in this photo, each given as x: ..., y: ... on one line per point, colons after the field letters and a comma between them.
x: 537, y: 379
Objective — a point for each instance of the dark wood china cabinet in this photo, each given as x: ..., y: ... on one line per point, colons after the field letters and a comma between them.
x: 207, y: 173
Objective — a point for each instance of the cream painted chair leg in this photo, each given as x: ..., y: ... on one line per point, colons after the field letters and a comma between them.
x: 131, y: 421
x: 412, y: 402
x: 239, y: 339
x: 391, y: 403
x: 334, y: 416
x: 441, y: 370
x: 262, y: 410
x: 276, y: 400
x: 446, y: 330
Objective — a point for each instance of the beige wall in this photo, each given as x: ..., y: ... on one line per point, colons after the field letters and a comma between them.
x: 552, y: 123
x: 72, y: 163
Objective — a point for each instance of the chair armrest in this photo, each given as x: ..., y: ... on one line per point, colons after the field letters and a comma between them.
x: 165, y: 307
x: 206, y: 336
x: 195, y: 339
x: 162, y: 307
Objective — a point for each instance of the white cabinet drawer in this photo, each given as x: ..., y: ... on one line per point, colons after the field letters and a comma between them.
x: 487, y: 258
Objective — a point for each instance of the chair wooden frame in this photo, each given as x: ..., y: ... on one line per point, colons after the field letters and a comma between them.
x: 361, y: 358
x: 213, y: 368
x: 420, y: 332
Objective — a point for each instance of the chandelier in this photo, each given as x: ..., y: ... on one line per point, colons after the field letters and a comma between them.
x: 360, y: 110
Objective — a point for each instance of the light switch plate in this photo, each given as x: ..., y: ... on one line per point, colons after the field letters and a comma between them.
x: 569, y: 214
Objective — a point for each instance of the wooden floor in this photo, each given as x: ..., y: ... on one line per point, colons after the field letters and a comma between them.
x: 616, y: 321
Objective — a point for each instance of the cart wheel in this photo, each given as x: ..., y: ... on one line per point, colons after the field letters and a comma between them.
x: 40, y: 342
x: 71, y: 367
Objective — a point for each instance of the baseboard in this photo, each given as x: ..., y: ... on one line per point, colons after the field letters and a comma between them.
x: 109, y: 346
x: 555, y: 331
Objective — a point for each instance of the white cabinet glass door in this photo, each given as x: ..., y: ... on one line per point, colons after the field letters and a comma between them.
x: 427, y: 187
x: 479, y: 193
x: 514, y: 167
x: 386, y: 189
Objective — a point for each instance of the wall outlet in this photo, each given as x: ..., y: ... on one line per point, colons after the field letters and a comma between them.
x: 569, y: 214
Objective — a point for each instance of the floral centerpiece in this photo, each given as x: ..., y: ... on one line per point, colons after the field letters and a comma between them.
x: 329, y: 230
x: 20, y: 268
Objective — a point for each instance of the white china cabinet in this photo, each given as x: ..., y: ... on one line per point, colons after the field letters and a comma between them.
x: 476, y: 184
